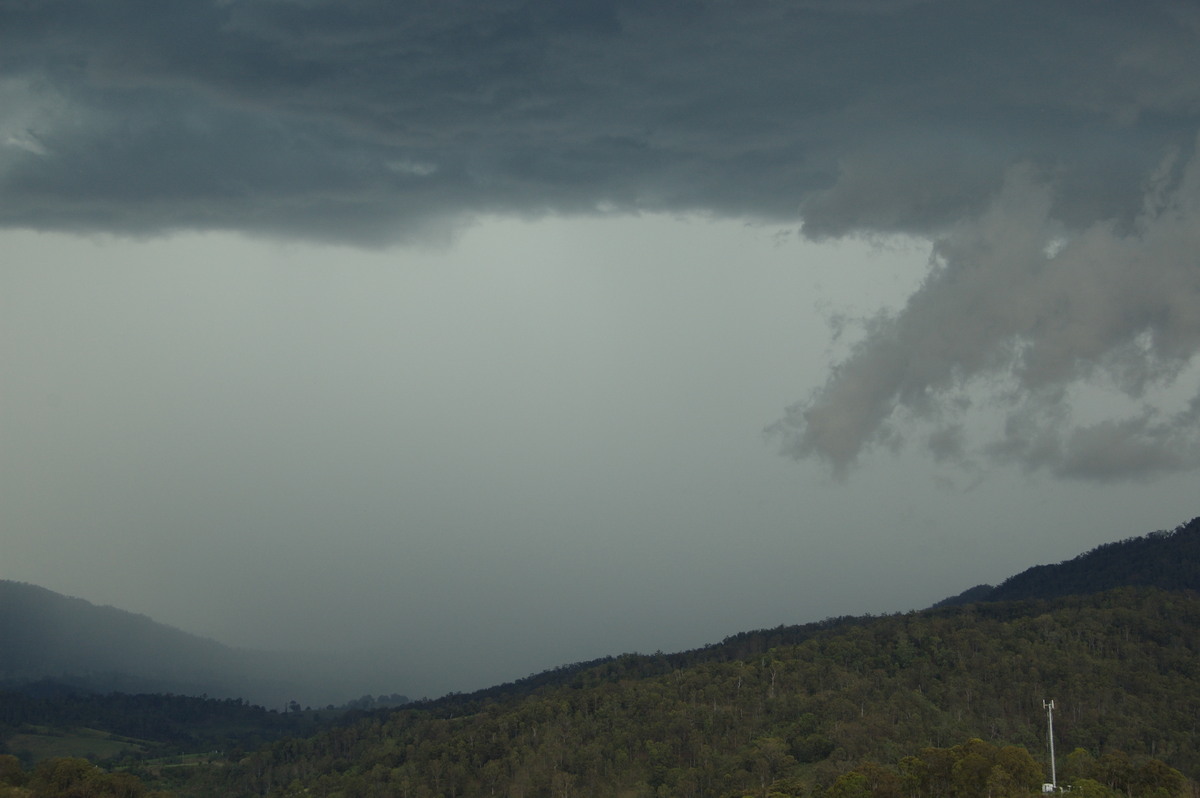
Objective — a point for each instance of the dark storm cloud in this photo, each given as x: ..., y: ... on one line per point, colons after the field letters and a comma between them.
x: 369, y: 120
x: 1032, y: 141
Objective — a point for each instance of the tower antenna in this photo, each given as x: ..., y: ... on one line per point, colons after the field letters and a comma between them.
x: 1049, y: 707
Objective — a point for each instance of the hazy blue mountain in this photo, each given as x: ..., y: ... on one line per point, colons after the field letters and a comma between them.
x: 44, y: 634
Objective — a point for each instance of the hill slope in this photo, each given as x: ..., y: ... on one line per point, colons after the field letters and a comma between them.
x: 1122, y: 667
x: 793, y: 710
x: 1167, y: 560
x: 44, y: 634
x: 800, y: 710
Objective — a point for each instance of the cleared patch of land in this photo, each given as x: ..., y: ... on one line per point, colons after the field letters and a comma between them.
x: 44, y: 742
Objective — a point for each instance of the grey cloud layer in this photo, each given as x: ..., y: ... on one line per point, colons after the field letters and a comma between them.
x: 1033, y: 141
x: 370, y: 120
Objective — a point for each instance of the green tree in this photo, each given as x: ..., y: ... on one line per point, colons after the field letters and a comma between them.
x: 849, y: 785
x: 914, y: 776
x: 1078, y: 765
x: 1154, y: 779
x: 1115, y: 771
x: 1023, y: 771
x: 63, y: 776
x: 11, y: 774
x: 1090, y: 788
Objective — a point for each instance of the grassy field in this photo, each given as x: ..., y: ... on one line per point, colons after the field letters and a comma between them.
x: 40, y: 742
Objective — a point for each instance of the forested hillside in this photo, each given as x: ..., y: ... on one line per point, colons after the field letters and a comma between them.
x: 68, y: 777
x: 944, y: 703
x: 36, y: 715
x: 874, y: 697
x: 1168, y: 560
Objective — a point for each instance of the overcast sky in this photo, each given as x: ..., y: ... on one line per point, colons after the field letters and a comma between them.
x: 498, y: 335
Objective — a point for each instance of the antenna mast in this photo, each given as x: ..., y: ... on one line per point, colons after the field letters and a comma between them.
x: 1049, y: 707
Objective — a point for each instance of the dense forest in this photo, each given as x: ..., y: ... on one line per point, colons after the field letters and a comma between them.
x: 68, y: 777
x: 889, y: 695
x: 150, y: 724
x: 945, y: 702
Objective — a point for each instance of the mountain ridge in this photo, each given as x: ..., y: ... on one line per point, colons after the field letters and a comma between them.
x: 743, y: 645
x: 100, y: 648
x: 1166, y: 559
x: 866, y: 697
x: 73, y: 630
x: 799, y: 710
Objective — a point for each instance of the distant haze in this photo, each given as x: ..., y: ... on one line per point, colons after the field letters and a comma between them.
x: 483, y: 337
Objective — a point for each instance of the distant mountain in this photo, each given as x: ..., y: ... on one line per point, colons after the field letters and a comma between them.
x: 1166, y: 560
x: 44, y: 634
